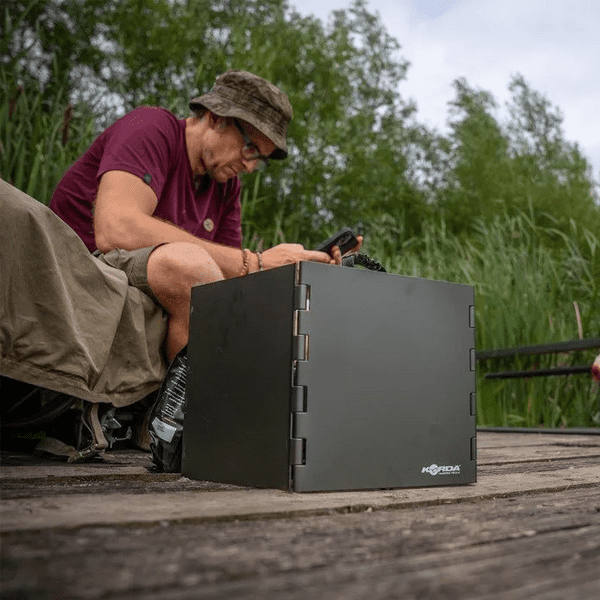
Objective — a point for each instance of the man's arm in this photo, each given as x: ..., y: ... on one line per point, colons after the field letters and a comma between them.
x: 123, y: 219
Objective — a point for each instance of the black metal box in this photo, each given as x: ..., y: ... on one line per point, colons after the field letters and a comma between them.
x: 314, y: 377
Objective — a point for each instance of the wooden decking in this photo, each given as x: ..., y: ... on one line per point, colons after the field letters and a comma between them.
x: 528, y: 529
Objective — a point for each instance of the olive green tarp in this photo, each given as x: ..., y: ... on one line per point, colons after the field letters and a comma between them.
x: 68, y: 321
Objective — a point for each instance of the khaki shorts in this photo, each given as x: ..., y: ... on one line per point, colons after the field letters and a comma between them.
x: 134, y: 263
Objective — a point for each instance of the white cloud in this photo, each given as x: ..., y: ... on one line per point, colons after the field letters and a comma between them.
x: 554, y: 44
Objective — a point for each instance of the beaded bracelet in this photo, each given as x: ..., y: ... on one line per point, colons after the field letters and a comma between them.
x: 260, y: 263
x: 246, y: 262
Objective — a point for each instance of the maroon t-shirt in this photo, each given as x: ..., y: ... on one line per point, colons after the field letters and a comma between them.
x: 150, y: 143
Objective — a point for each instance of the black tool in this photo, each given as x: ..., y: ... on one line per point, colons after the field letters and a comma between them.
x: 344, y: 239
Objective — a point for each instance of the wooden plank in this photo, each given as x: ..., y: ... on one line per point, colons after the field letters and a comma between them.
x: 66, y: 471
x: 133, y: 463
x: 121, y: 490
x: 514, y: 440
x: 493, y: 548
x: 487, y: 456
x: 166, y: 483
x: 488, y: 453
x: 77, y: 510
x: 530, y: 528
x: 107, y: 484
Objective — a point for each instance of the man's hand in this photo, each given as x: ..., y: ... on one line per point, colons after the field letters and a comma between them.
x: 285, y: 254
x: 337, y: 255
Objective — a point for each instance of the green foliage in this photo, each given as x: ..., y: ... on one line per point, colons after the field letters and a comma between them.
x: 350, y: 130
x: 51, y: 43
x: 39, y: 138
x: 508, y: 207
x: 44, y: 44
x: 525, y: 295
x: 522, y: 165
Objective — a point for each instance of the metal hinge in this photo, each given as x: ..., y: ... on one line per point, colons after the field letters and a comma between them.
x: 301, y: 337
x: 299, y: 434
x: 472, y: 316
x: 300, y: 347
x: 298, y: 397
x: 302, y: 297
x: 472, y: 359
x: 297, y: 452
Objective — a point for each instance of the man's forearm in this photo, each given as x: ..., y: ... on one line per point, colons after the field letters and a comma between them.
x: 140, y: 231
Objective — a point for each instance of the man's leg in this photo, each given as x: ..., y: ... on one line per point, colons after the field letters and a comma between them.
x: 172, y: 271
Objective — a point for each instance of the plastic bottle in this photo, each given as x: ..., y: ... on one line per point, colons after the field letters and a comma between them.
x: 166, y: 419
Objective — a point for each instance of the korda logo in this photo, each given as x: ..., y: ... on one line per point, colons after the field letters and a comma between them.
x: 445, y: 470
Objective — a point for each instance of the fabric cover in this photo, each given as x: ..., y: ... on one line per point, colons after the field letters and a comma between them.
x: 68, y: 321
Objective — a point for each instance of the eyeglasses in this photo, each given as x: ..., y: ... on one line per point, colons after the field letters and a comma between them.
x: 251, y: 151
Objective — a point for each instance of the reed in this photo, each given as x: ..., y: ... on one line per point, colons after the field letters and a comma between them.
x: 533, y: 285
x: 40, y: 137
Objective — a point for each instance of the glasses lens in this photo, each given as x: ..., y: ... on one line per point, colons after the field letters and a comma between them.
x: 250, y: 152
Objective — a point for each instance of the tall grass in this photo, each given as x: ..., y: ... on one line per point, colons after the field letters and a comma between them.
x: 531, y: 282
x: 533, y: 285
x: 39, y: 137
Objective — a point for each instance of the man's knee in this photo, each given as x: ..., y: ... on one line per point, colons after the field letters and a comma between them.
x: 174, y: 268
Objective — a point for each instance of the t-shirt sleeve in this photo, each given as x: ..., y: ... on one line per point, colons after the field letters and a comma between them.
x: 229, y: 231
x: 140, y: 144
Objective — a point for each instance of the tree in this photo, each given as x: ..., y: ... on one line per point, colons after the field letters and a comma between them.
x: 357, y: 153
x: 479, y: 156
x: 50, y: 43
x: 550, y: 172
x: 348, y: 140
x: 350, y: 127
x: 523, y: 165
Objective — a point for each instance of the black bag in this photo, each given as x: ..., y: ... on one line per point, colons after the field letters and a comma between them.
x: 166, y: 418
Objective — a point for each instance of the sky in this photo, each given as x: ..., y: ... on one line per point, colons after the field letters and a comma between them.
x: 554, y: 44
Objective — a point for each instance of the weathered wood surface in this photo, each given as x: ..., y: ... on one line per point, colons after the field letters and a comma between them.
x: 528, y: 529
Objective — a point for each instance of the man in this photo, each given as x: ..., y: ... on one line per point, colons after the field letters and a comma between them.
x: 158, y: 197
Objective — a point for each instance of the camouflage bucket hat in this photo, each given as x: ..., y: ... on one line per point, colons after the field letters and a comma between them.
x: 251, y: 98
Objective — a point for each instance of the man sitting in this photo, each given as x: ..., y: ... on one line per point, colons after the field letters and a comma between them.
x: 91, y: 299
x: 159, y: 197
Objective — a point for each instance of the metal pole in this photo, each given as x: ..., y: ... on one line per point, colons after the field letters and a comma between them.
x: 539, y: 372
